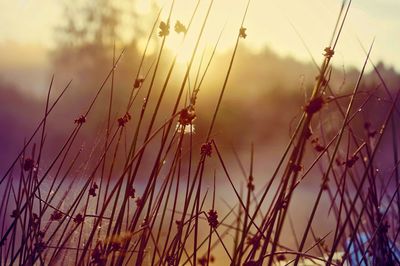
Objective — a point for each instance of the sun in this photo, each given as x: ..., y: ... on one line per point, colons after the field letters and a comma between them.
x: 222, y: 26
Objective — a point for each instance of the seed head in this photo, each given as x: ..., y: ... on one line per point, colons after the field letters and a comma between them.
x: 242, y: 33
x: 351, y: 161
x: 213, y: 218
x: 180, y: 28
x: 98, y: 257
x: 178, y: 224
x: 124, y: 119
x: 328, y: 52
x: 317, y: 146
x: 296, y: 167
x: 254, y: 241
x: 250, y: 184
x: 187, y: 116
x: 138, y: 83
x: 206, y: 149
x: 14, y: 214
x: 34, y: 222
x: 80, y: 120
x: 28, y: 164
x: 139, y: 202
x: 131, y: 192
x: 79, y: 218
x: 40, y: 246
x: 251, y: 263
x: 56, y: 216
x: 164, y: 29
x: 115, y: 246
x: 170, y: 259
x: 314, y: 105
x: 281, y: 257
x: 202, y: 261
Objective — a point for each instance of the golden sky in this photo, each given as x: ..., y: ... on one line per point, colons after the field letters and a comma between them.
x: 32, y: 23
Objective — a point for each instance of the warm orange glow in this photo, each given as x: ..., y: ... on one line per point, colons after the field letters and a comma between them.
x: 220, y: 21
x: 268, y: 24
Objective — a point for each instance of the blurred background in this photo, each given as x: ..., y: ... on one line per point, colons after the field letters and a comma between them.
x: 74, y: 40
x: 271, y: 79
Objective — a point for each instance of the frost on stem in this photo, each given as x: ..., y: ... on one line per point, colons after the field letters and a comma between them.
x: 185, y: 129
x: 282, y: 204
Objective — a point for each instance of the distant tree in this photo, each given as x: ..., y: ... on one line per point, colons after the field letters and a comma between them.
x: 86, y: 36
x: 90, y: 22
x: 88, y: 30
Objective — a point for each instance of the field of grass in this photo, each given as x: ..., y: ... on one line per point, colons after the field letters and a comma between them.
x: 149, y: 190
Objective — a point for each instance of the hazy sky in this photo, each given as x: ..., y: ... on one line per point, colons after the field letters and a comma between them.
x: 31, y: 23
